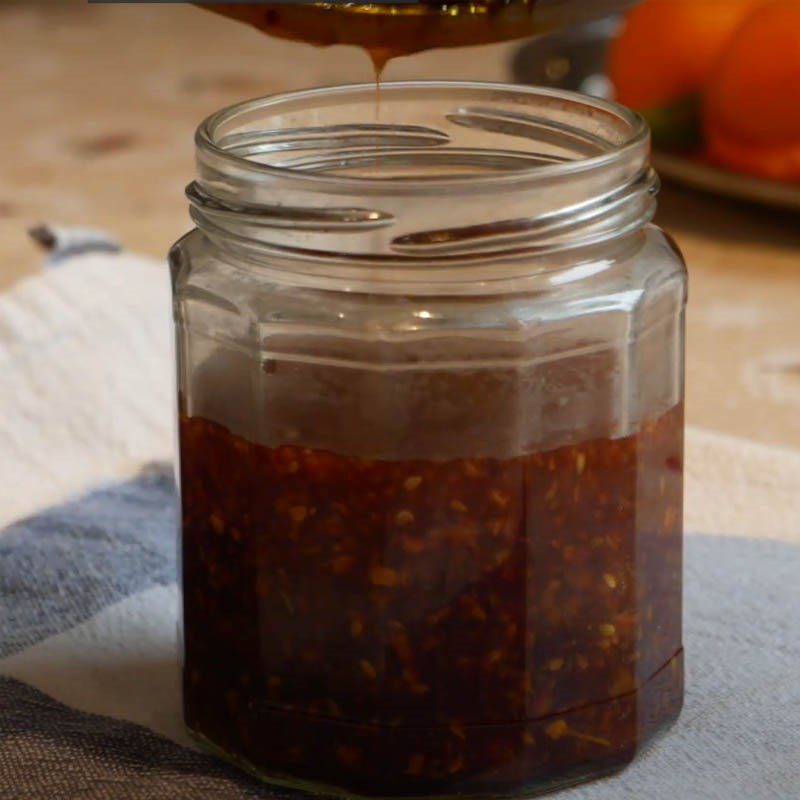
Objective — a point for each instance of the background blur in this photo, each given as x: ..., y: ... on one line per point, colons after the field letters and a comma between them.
x: 101, y: 105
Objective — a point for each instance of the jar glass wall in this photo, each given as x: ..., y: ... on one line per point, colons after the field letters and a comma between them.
x: 431, y: 384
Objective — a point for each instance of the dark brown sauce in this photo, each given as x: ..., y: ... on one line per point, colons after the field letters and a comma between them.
x: 419, y: 627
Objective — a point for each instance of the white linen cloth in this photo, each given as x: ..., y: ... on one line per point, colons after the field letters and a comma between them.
x: 89, y: 703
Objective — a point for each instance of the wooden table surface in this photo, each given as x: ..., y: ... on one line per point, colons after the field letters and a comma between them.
x: 102, y: 101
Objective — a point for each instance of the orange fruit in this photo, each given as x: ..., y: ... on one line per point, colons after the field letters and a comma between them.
x: 667, y: 48
x: 751, y: 109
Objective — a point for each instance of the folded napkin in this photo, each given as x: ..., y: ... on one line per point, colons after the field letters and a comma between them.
x: 89, y: 704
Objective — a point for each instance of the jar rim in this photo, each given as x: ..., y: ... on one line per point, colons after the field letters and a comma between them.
x: 467, y: 172
x: 207, y: 137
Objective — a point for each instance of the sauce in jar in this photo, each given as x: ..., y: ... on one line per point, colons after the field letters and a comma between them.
x: 431, y: 627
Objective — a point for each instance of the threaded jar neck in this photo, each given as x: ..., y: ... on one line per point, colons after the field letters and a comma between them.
x: 433, y: 175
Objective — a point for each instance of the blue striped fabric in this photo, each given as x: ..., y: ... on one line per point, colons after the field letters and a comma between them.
x: 101, y: 556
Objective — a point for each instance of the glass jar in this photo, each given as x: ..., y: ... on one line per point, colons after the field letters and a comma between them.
x: 431, y: 382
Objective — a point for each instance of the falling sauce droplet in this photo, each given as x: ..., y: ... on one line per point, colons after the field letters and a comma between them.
x: 380, y: 57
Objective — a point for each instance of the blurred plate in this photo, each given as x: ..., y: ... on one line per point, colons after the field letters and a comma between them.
x: 699, y: 175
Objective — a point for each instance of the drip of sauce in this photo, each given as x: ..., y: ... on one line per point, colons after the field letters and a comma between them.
x: 378, y: 67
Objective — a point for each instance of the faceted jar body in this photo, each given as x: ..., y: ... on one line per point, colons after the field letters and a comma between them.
x: 431, y: 503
